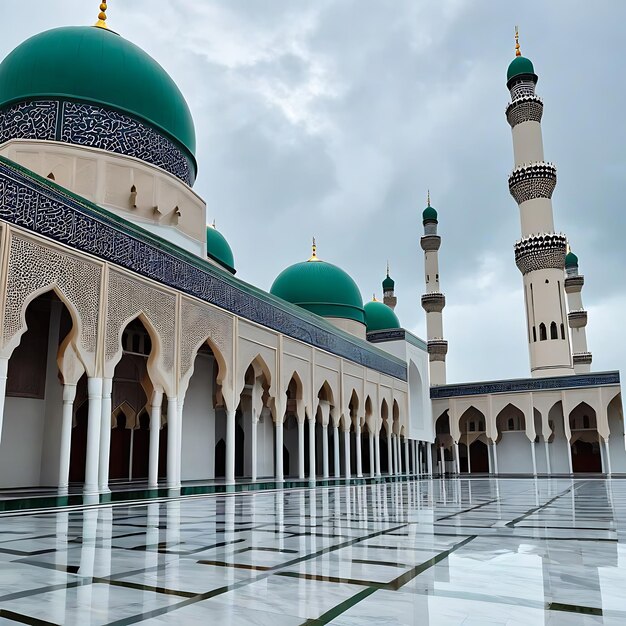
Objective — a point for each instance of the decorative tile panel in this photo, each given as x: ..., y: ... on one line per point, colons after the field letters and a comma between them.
x: 94, y: 127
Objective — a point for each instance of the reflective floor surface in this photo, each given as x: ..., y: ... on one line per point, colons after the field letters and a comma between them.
x: 459, y: 551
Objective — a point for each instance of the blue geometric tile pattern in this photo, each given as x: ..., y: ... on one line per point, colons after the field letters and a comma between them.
x: 48, y: 211
x: 396, y: 334
x: 94, y: 127
x: 597, y: 379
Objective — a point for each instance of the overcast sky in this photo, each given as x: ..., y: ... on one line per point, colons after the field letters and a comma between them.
x: 333, y: 117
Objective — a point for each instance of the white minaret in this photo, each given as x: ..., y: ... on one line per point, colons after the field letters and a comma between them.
x: 577, y: 315
x: 433, y: 300
x: 540, y: 254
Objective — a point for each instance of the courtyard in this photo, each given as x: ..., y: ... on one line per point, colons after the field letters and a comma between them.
x: 441, y: 551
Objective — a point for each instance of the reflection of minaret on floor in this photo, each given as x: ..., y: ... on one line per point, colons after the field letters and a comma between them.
x: 433, y: 301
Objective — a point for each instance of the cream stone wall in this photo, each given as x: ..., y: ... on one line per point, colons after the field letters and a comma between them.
x: 161, y: 203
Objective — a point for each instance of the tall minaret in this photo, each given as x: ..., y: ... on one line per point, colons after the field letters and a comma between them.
x: 433, y: 300
x: 389, y: 296
x: 540, y: 254
x: 577, y: 315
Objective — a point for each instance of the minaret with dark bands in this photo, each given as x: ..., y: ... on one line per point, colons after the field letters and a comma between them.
x: 577, y: 315
x: 433, y: 301
x: 540, y: 254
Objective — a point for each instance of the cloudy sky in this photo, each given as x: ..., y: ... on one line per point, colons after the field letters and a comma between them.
x: 333, y: 117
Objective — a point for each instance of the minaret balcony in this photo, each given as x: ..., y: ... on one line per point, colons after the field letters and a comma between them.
x: 430, y: 243
x: 540, y: 252
x: 525, y: 109
x: 577, y: 319
x: 433, y: 302
x: 574, y: 284
x: 437, y: 349
x: 528, y: 182
x: 582, y: 358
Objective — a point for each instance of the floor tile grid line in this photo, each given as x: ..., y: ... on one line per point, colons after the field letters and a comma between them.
x: 134, y: 619
x: 24, y: 619
x: 395, y: 584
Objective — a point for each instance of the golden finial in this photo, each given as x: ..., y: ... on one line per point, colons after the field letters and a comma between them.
x: 374, y: 298
x: 428, y: 198
x: 314, y: 250
x: 102, y: 16
x: 518, y: 52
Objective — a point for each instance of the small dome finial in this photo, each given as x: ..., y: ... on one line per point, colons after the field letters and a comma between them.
x: 387, y: 269
x: 428, y: 198
x: 102, y: 16
x: 374, y: 298
x: 314, y: 251
x: 518, y: 52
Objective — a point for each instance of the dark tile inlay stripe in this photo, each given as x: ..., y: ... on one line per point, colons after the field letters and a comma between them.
x: 24, y: 619
x: 574, y: 608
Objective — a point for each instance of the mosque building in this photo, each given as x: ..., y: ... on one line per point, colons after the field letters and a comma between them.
x: 130, y: 351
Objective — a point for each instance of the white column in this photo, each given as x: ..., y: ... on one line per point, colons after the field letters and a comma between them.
x: 336, y: 445
x: 312, y: 469
x: 254, y: 445
x: 359, y: 452
x: 532, y: 449
x: 569, y: 457
x: 372, y: 455
x: 173, y: 450
x: 155, y: 432
x: 69, y: 394
x: 377, y: 453
x: 230, y: 446
x: 301, y: 475
x: 94, y: 394
x: 4, y: 369
x: 325, y: 449
x: 105, y: 436
x: 418, y: 449
x: 429, y: 457
x: 607, y: 456
x: 398, y: 455
x: 278, y: 453
x: 495, y: 458
x: 406, y: 457
x: 390, y: 453
x: 548, y: 465
x: 346, y: 454
x: 457, y: 458
x: 469, y: 463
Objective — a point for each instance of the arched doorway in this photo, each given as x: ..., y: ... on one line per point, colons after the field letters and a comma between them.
x: 474, y: 437
x: 585, y: 440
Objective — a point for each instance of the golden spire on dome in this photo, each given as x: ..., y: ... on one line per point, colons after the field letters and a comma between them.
x: 518, y: 52
x: 102, y: 16
x: 314, y: 250
x: 374, y: 298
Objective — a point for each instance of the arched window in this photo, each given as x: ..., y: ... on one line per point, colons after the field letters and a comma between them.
x: 534, y: 334
x: 543, y: 335
x: 511, y: 424
x: 562, y: 331
x: 553, y: 331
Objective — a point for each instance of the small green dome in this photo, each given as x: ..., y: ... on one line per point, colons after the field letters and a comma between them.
x: 429, y: 214
x: 571, y: 260
x: 96, y: 65
x: 379, y: 316
x: 519, y: 65
x: 388, y: 284
x: 217, y: 248
x: 321, y: 288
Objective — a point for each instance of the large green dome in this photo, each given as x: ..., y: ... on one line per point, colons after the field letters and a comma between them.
x: 378, y: 316
x: 95, y: 65
x: 218, y: 249
x: 519, y: 65
x: 322, y: 288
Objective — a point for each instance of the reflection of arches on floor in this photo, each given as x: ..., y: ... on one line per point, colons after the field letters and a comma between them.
x: 479, y: 457
x: 220, y: 459
x: 586, y: 456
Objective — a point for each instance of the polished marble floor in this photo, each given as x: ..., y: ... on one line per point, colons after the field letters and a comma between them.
x: 458, y: 551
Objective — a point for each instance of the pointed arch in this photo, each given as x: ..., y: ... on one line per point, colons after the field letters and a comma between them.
x: 510, y: 418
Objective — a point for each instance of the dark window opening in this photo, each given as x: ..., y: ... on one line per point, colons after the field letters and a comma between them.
x: 534, y: 334
x: 553, y: 332
x: 543, y: 334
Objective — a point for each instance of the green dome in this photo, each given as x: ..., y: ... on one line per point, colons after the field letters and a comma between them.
x: 571, y: 260
x: 388, y: 284
x: 519, y: 65
x: 429, y: 214
x: 379, y: 316
x: 217, y: 248
x: 321, y: 288
x: 95, y: 65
